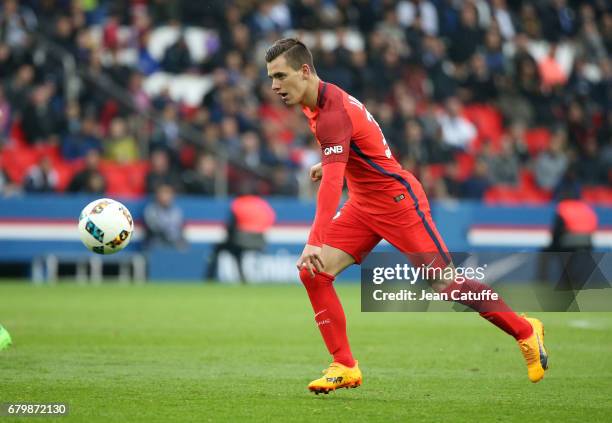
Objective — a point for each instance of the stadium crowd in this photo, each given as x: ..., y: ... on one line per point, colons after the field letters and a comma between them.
x: 505, y: 100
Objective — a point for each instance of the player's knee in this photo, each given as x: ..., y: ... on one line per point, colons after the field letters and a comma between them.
x: 320, y: 278
x: 307, y: 279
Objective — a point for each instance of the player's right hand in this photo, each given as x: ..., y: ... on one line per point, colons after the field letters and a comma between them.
x: 316, y: 172
x: 310, y: 259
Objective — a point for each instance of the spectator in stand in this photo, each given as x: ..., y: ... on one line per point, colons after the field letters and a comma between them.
x: 433, y: 186
x: 41, y: 177
x: 284, y: 182
x: 7, y: 187
x: 550, y: 165
x: 503, y: 18
x: 504, y: 166
x: 479, y: 86
x: 529, y: 83
x: 415, y: 144
x: 166, y: 133
x: 474, y: 187
x: 550, y: 70
x: 120, y: 146
x: 516, y: 138
x: 177, y: 57
x: 558, y: 21
x: 81, y: 137
x: 161, y: 172
x: 467, y: 37
x: 493, y: 54
x: 451, y: 180
x: 16, y: 21
x: 39, y: 121
x: 578, y: 126
x: 5, y: 116
x: 201, y: 180
x: 457, y: 131
x: 409, y: 12
x: 139, y: 96
x: 591, y: 168
x: 250, y: 150
x: 163, y: 220
x: 90, y: 179
x: 591, y: 46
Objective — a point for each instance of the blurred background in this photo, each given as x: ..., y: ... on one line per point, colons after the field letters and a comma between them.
x: 500, y: 108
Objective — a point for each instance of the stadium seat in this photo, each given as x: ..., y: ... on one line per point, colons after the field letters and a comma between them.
x: 65, y: 172
x: 17, y: 161
x: 127, y: 180
x: 537, y: 139
x: 527, y: 180
x: 436, y: 171
x: 17, y: 135
x: 598, y: 195
x: 502, y: 194
x: 465, y: 162
x: 137, y: 174
x: 48, y: 150
x: 488, y: 122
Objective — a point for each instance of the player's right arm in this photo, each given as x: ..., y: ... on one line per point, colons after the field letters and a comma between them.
x: 328, y: 199
x: 334, y: 131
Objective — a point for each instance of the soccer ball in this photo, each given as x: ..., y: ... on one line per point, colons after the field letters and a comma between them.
x: 105, y: 226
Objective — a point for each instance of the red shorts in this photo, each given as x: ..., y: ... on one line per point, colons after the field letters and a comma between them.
x: 408, y: 228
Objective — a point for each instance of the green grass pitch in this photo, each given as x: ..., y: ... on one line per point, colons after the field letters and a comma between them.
x: 161, y: 353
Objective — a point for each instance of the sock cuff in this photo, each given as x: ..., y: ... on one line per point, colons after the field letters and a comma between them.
x: 325, y: 276
x: 320, y: 278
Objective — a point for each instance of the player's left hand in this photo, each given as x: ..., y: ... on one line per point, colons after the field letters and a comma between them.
x: 310, y: 259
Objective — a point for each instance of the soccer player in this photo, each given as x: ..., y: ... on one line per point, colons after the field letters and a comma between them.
x: 385, y: 202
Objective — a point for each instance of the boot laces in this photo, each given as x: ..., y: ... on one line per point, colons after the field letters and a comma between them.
x: 530, y: 354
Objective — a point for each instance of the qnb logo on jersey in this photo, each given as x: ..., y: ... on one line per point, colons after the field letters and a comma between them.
x: 334, y: 149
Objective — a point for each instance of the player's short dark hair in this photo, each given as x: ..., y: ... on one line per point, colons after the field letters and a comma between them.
x: 296, y: 53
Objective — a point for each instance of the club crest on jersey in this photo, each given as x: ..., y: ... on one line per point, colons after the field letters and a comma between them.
x: 335, y: 149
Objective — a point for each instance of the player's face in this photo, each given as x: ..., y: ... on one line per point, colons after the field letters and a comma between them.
x: 290, y: 84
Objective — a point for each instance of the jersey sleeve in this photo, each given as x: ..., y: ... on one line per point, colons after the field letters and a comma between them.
x: 328, y: 199
x: 334, y: 131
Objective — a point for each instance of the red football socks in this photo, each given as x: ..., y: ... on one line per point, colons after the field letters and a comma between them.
x: 495, y: 311
x: 329, y: 315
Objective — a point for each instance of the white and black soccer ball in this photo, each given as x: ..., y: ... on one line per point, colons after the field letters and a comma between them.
x: 105, y: 226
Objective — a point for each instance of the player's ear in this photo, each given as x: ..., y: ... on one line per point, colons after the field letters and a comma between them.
x: 306, y: 71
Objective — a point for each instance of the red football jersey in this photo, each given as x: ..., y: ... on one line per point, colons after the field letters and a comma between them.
x: 347, y: 132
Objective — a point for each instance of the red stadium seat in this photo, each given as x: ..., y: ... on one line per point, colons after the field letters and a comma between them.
x: 116, y: 179
x: 436, y: 170
x: 527, y: 180
x: 465, y: 162
x: 534, y: 196
x: 488, y: 121
x: 501, y: 194
x: 537, y: 139
x: 598, y: 195
x: 17, y: 136
x: 136, y: 177
x: 65, y: 171
x: 17, y: 161
x: 126, y: 180
x: 47, y: 150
